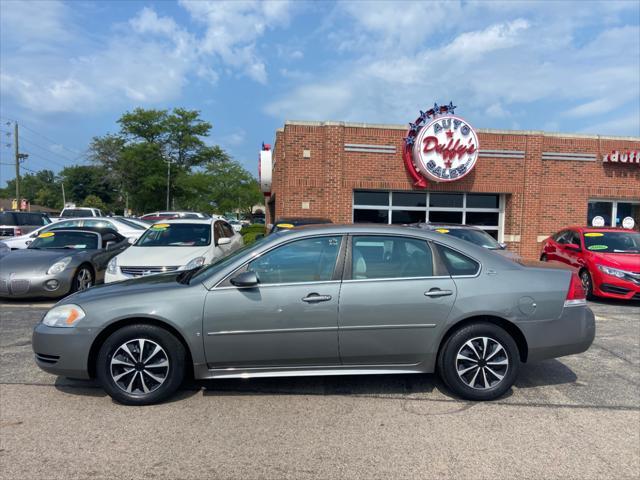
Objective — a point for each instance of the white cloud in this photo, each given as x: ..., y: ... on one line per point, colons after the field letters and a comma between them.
x: 499, y: 69
x: 147, y: 60
x: 232, y: 29
x: 617, y: 125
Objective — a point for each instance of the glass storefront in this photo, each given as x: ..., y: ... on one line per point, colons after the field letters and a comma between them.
x: 481, y: 209
x: 614, y: 212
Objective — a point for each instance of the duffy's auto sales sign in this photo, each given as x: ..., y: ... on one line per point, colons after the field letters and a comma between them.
x: 440, y: 146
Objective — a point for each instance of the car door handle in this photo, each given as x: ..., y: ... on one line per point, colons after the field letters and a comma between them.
x: 436, y: 292
x: 314, y: 297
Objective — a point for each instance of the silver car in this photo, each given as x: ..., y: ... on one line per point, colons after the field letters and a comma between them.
x: 329, y: 300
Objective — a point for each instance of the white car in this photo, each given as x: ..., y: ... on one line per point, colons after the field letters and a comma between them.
x: 77, y: 212
x: 124, y: 227
x: 236, y: 225
x: 172, y: 245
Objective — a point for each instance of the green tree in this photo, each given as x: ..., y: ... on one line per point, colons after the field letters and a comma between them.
x: 222, y: 187
x: 149, y: 143
x: 80, y: 181
x: 40, y: 188
x: 93, y: 201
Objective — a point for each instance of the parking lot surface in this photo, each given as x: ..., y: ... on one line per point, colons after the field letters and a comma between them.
x: 575, y: 417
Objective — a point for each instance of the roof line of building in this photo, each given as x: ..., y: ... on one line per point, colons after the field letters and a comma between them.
x: 383, y: 126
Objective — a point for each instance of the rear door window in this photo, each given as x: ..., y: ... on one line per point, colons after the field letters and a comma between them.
x: 390, y: 257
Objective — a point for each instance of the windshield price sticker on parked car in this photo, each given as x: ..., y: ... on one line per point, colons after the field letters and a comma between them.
x: 598, y: 247
x: 46, y: 235
x: 594, y: 234
x: 160, y: 226
x: 442, y: 230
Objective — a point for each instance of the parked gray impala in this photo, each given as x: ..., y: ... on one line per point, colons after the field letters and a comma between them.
x: 330, y: 300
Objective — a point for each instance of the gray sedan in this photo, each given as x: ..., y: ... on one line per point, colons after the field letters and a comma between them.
x: 59, y: 262
x: 331, y: 300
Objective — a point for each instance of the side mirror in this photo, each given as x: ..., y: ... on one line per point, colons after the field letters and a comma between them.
x: 573, y: 247
x: 503, y: 246
x: 131, y: 240
x: 224, y: 241
x: 245, y: 279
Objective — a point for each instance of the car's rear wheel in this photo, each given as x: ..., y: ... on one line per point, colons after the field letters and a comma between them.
x: 83, y: 279
x: 479, y: 361
x: 141, y: 364
x: 587, y: 283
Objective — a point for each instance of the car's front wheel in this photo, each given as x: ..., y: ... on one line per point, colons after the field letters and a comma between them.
x: 587, y: 283
x: 479, y: 361
x: 141, y: 364
x: 83, y: 279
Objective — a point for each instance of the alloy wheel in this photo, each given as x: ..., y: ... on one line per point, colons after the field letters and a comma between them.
x: 84, y: 279
x: 586, y: 281
x: 482, y: 363
x: 139, y: 366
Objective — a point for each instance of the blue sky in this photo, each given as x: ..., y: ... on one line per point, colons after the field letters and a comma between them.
x: 68, y: 70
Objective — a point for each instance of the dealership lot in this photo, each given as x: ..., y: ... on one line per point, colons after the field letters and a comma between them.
x: 576, y: 417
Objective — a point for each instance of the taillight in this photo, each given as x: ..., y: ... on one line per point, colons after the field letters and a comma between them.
x: 17, y: 231
x: 576, y: 294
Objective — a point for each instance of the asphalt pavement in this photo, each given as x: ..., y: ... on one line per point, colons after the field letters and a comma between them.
x: 574, y: 417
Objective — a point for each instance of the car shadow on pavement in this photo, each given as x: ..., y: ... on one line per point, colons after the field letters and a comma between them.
x: 544, y: 373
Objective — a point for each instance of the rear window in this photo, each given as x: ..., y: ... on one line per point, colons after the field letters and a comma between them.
x: 32, y: 219
x: 76, y: 212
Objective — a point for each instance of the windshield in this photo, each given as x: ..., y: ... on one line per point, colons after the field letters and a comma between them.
x: 62, y: 239
x: 612, y: 242
x: 176, y: 235
x: 479, y: 237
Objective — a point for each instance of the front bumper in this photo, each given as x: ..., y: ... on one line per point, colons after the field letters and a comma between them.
x: 63, y: 351
x: 34, y: 286
x: 608, y: 286
x: 573, y: 332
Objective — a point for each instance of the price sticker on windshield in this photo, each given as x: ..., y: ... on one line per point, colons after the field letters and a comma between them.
x: 594, y: 234
x: 442, y: 230
x: 598, y: 247
x: 46, y: 235
x: 160, y: 226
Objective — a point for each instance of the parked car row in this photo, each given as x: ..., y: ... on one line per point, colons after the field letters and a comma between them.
x: 72, y: 255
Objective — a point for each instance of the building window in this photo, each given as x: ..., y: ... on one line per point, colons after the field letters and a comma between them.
x: 480, y: 209
x: 613, y: 212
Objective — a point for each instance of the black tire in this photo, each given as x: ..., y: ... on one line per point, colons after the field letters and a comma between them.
x: 587, y: 283
x: 83, y: 275
x: 543, y: 257
x: 494, y: 388
x: 172, y: 376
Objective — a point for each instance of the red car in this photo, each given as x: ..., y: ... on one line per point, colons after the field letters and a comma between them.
x: 607, y: 259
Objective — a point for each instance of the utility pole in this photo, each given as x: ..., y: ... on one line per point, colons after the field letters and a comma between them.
x: 17, y: 154
x: 64, y: 200
x: 168, y: 180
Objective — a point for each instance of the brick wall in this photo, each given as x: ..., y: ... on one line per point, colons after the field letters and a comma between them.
x: 541, y: 195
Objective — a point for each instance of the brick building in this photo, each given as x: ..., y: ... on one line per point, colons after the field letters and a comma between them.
x: 525, y: 184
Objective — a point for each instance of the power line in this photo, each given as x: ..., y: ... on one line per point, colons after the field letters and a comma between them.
x: 48, y: 150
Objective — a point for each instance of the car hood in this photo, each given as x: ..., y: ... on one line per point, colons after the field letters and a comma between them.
x: 624, y: 261
x: 160, y: 256
x: 31, y: 260
x: 134, y: 286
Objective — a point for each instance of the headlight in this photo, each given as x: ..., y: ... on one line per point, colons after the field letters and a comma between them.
x: 112, y: 267
x: 612, y: 271
x: 59, y: 266
x: 196, y: 262
x: 63, y: 316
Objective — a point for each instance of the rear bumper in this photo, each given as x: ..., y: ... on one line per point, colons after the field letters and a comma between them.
x: 63, y: 351
x: 573, y: 332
